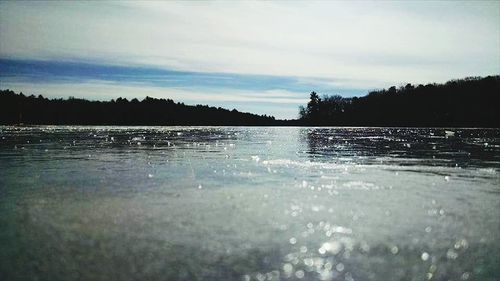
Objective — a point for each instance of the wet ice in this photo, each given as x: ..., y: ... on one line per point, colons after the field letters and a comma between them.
x: 232, y: 203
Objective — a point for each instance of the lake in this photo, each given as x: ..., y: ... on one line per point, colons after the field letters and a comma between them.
x: 249, y: 203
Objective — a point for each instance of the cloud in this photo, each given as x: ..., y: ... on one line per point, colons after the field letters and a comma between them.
x: 76, y: 72
x: 384, y: 43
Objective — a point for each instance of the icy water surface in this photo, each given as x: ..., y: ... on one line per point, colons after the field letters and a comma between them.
x: 237, y: 203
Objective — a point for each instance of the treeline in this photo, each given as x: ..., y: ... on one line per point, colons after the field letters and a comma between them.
x: 21, y: 109
x: 469, y: 102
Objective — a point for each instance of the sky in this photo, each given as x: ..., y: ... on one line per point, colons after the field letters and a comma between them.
x: 255, y: 56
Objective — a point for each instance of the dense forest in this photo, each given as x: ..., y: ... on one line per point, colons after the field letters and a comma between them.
x: 21, y: 109
x: 469, y: 102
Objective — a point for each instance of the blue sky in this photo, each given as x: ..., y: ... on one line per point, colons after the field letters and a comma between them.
x: 261, y: 57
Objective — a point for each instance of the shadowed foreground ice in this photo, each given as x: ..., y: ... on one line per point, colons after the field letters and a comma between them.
x: 232, y: 203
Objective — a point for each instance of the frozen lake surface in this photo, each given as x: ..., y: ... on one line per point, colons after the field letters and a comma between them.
x: 239, y: 203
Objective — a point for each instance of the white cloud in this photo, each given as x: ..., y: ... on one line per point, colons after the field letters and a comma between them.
x: 376, y: 43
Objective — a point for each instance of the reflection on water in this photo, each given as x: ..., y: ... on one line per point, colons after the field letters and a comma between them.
x: 466, y: 147
x: 235, y: 203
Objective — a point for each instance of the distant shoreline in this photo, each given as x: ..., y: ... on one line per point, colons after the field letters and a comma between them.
x: 466, y: 103
x: 470, y: 102
x: 248, y: 126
